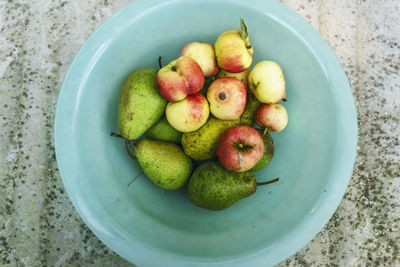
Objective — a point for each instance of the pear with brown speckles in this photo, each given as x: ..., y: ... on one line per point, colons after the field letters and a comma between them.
x: 140, y: 104
x: 164, y: 163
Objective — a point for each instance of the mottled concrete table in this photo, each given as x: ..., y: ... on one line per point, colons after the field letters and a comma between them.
x: 38, y: 225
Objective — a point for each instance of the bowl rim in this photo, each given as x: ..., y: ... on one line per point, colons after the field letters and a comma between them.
x: 145, y: 254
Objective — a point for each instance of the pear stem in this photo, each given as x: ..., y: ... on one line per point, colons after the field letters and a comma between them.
x: 117, y: 135
x: 134, y: 179
x: 126, y: 143
x: 159, y: 62
x: 268, y: 182
x: 284, y: 99
x: 121, y: 137
x: 128, y: 150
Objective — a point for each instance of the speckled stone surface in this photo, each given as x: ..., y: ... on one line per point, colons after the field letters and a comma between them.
x: 38, y: 225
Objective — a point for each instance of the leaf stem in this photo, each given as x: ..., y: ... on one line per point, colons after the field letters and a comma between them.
x: 126, y: 143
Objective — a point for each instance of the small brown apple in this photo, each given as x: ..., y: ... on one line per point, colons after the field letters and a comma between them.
x: 227, y: 97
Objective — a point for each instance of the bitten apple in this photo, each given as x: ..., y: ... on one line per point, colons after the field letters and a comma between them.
x: 274, y: 117
x: 180, y: 78
x: 189, y: 114
x: 242, y: 76
x: 227, y: 97
x: 240, y: 148
x: 204, y: 55
x: 267, y: 82
x: 234, y: 50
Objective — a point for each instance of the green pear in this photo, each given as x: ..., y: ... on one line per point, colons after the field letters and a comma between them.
x: 140, y: 104
x: 163, y: 131
x: 202, y: 144
x: 215, y: 188
x: 164, y: 163
x: 268, y: 151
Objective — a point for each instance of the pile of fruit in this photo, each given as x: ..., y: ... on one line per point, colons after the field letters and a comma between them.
x: 171, y: 108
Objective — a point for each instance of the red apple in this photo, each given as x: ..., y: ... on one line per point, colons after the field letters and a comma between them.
x: 180, y: 78
x: 227, y: 97
x: 234, y: 50
x: 240, y: 148
x: 189, y: 114
x: 204, y: 55
x: 274, y: 117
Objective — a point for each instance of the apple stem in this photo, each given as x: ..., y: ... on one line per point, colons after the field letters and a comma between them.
x: 136, y: 177
x: 284, y: 99
x: 268, y: 182
x: 159, y: 61
x: 126, y: 143
x: 265, y: 131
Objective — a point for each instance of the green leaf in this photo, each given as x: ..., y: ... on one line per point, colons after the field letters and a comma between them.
x: 244, y: 34
x: 243, y: 30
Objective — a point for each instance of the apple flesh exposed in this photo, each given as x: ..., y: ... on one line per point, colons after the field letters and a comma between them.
x: 267, y: 82
x: 180, y: 78
x: 242, y: 76
x: 234, y: 50
x: 227, y: 97
x: 273, y: 117
x: 189, y: 114
x: 240, y: 148
x: 204, y: 55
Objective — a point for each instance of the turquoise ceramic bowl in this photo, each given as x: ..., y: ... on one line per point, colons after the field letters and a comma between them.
x: 153, y: 227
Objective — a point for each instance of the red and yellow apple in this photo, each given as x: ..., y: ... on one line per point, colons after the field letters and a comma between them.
x: 204, y: 55
x: 274, y: 117
x: 180, y: 78
x: 267, y: 82
x: 189, y: 114
x: 242, y: 76
x: 240, y: 148
x: 227, y: 97
x: 234, y: 50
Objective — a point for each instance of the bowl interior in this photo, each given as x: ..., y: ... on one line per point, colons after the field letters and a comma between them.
x: 143, y: 217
